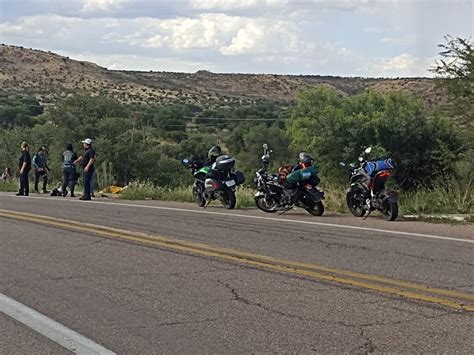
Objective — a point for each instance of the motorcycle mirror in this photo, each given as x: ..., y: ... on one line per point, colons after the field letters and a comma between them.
x: 341, y: 163
x: 368, y: 150
x: 361, y: 159
x: 185, y: 161
x: 265, y: 146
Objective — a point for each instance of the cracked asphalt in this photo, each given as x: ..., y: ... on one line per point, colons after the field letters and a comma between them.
x: 135, y: 299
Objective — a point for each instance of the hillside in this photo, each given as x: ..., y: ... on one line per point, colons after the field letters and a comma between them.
x: 49, y: 76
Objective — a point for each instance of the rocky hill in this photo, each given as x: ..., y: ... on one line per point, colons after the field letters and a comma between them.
x: 49, y: 76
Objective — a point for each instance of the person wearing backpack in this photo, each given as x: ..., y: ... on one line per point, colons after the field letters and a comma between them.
x: 40, y: 164
x: 69, y: 170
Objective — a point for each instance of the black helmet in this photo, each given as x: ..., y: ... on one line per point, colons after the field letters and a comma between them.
x: 214, y: 152
x: 305, y: 158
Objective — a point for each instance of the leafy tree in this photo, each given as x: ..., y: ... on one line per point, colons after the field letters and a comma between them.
x: 246, y: 142
x: 19, y: 111
x: 336, y: 128
x: 455, y: 72
x: 81, y: 113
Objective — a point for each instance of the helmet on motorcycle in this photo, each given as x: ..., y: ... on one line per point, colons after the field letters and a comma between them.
x: 305, y: 159
x: 391, y: 163
x: 214, y: 152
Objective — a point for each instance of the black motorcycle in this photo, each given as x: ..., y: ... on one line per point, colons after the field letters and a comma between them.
x: 216, y: 182
x: 271, y: 197
x: 368, y: 193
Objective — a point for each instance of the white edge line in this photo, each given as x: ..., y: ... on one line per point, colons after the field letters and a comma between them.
x: 342, y: 226
x: 51, y: 329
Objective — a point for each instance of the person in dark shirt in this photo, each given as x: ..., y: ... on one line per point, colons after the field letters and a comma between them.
x: 40, y: 165
x: 87, y: 162
x: 69, y: 170
x: 25, y: 167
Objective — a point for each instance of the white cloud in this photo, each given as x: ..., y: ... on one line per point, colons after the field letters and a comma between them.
x: 341, y: 37
x: 400, y: 63
x: 102, y: 5
x: 225, y: 5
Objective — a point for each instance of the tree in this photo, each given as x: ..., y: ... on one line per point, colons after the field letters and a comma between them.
x: 82, y: 113
x: 455, y: 72
x: 336, y: 128
x: 19, y: 111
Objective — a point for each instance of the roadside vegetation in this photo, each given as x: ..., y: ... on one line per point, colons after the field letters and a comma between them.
x: 141, y: 146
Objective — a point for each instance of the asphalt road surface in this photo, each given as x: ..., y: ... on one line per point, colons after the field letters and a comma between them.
x: 154, y: 277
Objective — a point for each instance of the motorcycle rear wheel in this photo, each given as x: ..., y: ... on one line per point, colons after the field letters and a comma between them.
x: 263, y: 204
x: 316, y: 210
x: 354, y: 204
x: 229, y: 200
x: 390, y: 211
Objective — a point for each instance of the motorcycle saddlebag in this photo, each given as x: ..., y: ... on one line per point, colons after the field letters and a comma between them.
x: 224, y: 163
x: 239, y: 177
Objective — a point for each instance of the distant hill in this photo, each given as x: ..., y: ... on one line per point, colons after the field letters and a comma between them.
x: 49, y: 76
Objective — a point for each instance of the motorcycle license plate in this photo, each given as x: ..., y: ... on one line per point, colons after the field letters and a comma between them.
x: 230, y: 183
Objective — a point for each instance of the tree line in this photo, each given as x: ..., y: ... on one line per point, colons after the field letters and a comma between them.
x: 135, y: 142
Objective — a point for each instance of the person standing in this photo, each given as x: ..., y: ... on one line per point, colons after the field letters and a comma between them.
x: 87, y: 161
x: 69, y: 170
x: 25, y: 167
x: 40, y: 164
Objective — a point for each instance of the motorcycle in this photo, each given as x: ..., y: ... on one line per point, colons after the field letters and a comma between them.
x: 368, y: 193
x: 271, y: 198
x: 216, y: 182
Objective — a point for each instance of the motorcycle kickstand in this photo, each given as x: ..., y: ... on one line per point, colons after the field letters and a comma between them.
x: 366, y: 215
x: 285, y: 210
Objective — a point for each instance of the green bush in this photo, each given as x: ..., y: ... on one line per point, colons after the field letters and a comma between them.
x: 336, y: 128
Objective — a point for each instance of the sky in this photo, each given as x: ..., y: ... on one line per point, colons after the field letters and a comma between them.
x: 368, y: 38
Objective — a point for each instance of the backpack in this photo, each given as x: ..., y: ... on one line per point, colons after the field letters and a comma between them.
x: 67, y: 159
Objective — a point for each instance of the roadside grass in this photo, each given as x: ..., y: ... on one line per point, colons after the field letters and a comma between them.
x: 455, y: 200
x: 441, y: 200
x: 9, y: 186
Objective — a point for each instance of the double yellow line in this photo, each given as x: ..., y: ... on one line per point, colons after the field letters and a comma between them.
x: 414, y: 291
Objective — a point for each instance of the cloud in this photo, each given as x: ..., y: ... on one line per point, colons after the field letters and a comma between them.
x: 400, y: 63
x: 101, y: 5
x: 343, y: 37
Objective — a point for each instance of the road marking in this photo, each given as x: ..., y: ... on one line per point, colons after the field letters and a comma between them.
x: 51, y: 329
x: 449, y: 298
x: 273, y: 219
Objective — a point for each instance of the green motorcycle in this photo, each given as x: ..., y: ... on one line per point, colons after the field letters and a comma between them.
x: 199, y: 172
x: 218, y: 182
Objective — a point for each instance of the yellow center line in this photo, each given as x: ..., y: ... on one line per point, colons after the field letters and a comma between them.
x: 372, y: 282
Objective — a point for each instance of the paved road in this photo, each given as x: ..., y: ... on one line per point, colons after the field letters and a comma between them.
x: 133, y: 297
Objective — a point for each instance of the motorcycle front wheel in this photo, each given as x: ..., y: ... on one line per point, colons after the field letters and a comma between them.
x: 316, y: 210
x: 390, y: 211
x: 198, y: 194
x: 228, y: 199
x: 355, y: 204
x: 266, y: 205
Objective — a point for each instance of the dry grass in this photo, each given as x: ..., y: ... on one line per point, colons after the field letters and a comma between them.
x: 438, y: 201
